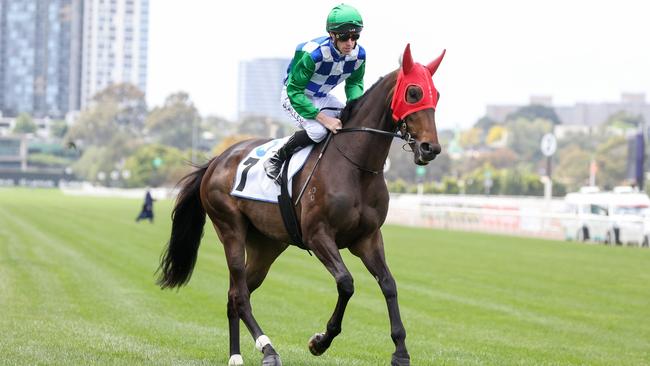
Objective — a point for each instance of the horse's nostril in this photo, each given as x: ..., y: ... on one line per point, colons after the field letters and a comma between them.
x: 430, y: 149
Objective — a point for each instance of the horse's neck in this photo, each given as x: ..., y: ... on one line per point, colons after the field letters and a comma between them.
x: 373, y: 112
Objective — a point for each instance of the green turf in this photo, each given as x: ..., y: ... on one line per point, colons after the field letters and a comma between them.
x: 77, y: 288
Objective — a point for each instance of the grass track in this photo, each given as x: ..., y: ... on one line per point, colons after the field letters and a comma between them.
x: 77, y: 287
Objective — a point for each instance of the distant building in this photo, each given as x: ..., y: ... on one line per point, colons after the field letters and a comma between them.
x: 40, y: 56
x: 260, y: 86
x: 581, y: 114
x: 13, y: 153
x: 115, y: 36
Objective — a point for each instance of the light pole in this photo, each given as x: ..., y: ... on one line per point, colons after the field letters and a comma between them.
x: 548, y: 146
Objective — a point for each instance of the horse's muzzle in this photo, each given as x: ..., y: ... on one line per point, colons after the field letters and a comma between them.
x: 426, y: 152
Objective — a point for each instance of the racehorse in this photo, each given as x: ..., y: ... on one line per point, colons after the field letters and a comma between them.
x: 346, y: 207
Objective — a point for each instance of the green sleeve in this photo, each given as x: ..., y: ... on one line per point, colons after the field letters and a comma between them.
x: 302, y: 69
x: 354, y: 84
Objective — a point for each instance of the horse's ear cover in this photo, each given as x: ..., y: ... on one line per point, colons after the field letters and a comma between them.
x: 433, y: 66
x: 407, y: 59
x: 413, y: 73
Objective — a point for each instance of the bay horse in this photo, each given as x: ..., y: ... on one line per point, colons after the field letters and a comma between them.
x: 346, y: 207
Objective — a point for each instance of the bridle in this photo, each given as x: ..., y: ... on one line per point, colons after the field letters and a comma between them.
x: 402, y: 126
x: 403, y: 134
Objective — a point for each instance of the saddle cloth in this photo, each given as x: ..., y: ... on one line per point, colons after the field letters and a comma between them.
x: 251, y: 181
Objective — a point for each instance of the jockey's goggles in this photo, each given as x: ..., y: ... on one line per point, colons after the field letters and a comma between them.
x: 344, y: 37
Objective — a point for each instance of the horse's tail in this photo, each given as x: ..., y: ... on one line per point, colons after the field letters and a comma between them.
x: 188, y: 217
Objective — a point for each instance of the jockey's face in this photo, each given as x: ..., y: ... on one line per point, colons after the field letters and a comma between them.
x: 345, y: 43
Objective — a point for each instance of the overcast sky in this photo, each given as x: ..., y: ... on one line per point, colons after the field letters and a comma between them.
x: 498, y: 51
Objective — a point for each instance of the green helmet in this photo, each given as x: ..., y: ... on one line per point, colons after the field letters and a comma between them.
x: 343, y: 19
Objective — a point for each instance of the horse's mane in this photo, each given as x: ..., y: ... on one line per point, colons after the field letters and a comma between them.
x: 351, y: 106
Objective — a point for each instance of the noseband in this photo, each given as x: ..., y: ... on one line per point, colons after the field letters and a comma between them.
x: 403, y: 134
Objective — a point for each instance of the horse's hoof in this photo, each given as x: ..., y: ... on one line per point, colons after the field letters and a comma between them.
x: 401, y: 361
x: 271, y: 360
x: 315, y: 346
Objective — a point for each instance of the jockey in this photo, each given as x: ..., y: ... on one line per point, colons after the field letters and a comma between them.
x: 317, y: 67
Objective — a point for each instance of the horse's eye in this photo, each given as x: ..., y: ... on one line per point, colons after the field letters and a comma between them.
x: 413, y: 94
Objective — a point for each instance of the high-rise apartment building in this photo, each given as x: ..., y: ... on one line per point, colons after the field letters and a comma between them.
x: 56, y: 54
x: 260, y: 86
x: 114, y: 45
x: 40, y: 56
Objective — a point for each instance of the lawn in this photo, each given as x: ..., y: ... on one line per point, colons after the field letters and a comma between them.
x: 77, y: 288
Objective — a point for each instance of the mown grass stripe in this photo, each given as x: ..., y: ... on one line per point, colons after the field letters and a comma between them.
x: 77, y: 287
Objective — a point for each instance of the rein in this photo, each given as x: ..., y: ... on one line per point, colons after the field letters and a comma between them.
x: 406, y: 137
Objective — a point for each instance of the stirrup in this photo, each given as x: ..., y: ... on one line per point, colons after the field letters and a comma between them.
x: 271, y: 168
x: 276, y: 179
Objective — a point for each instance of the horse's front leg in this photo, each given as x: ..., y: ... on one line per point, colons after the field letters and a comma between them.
x: 371, y: 252
x: 327, y: 252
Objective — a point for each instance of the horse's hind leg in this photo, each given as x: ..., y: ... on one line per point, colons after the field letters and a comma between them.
x: 261, y: 252
x: 233, y: 235
x: 260, y: 255
x: 371, y: 252
x: 233, y: 328
x: 327, y: 252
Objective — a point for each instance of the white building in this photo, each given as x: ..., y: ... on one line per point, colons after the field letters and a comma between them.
x: 585, y: 115
x: 115, y: 34
x: 260, y: 86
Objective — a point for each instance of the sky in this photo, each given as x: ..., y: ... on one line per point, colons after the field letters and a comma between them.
x: 498, y: 51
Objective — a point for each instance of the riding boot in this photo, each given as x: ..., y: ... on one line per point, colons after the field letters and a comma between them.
x: 297, y: 141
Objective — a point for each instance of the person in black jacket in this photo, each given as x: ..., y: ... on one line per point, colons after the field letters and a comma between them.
x: 147, y: 208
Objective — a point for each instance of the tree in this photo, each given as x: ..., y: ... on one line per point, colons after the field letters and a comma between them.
x: 155, y: 165
x: 129, y: 103
x: 496, y: 136
x: 59, y: 128
x: 515, y: 182
x: 572, y: 168
x: 24, y: 124
x: 499, y: 159
x: 105, y: 158
x: 118, y: 109
x: 475, y: 182
x: 611, y: 158
x: 471, y: 138
x: 533, y: 112
x: 585, y: 141
x: 219, y: 128
x: 402, y: 164
x: 485, y: 123
x: 176, y: 123
x: 95, y: 159
x: 229, y: 141
x: 262, y: 127
x: 108, y: 130
x: 524, y: 137
x: 624, y: 121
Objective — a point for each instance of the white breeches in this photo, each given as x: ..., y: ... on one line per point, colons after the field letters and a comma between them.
x: 329, y: 105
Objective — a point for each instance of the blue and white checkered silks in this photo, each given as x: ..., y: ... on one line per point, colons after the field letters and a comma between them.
x: 331, y: 67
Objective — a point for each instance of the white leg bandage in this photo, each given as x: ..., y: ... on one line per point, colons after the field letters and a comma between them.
x: 236, y: 360
x: 262, y: 341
